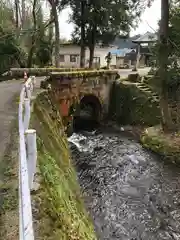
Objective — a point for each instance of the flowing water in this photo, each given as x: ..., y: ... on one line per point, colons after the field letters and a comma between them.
x: 130, y: 193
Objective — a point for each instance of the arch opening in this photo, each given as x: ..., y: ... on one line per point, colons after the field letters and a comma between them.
x: 88, y: 114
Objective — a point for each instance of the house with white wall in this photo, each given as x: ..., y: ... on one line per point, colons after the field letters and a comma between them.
x: 124, y: 57
x: 70, y: 56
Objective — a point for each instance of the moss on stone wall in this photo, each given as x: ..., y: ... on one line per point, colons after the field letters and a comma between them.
x: 152, y: 81
x: 62, y: 212
x: 134, y: 77
x: 19, y: 72
x: 80, y: 74
x: 131, y: 105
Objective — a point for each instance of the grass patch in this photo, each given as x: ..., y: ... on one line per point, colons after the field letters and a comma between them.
x: 165, y: 144
x: 61, y: 210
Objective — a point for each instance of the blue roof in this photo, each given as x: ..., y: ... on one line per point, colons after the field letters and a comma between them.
x: 121, y: 52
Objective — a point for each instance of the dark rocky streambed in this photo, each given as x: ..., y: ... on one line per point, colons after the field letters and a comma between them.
x: 130, y: 193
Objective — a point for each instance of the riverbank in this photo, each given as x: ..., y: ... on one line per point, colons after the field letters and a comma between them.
x: 165, y: 144
x: 58, y: 207
x: 136, y: 106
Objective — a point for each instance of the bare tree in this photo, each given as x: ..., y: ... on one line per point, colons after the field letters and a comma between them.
x: 54, y: 5
x: 83, y: 46
x: 23, y: 14
x: 33, y: 38
x: 17, y: 14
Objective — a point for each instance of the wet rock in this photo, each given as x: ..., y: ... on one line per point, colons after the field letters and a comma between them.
x: 176, y: 236
x: 98, y: 148
x: 133, y: 159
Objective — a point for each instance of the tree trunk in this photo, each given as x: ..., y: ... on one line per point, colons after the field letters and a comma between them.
x: 57, y: 33
x: 92, y: 46
x: 91, y: 55
x: 178, y: 107
x: 17, y: 14
x: 23, y: 9
x: 83, y: 48
x: 50, y: 37
x: 167, y: 123
x: 33, y: 39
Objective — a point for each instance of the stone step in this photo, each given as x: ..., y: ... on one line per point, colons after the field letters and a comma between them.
x: 146, y: 90
x: 141, y: 85
x: 144, y: 87
x: 153, y: 98
x: 155, y: 101
x: 156, y: 96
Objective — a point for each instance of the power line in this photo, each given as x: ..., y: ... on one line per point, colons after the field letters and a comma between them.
x: 26, y: 30
x: 173, y: 43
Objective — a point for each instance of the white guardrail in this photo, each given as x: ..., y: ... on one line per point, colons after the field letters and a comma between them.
x: 27, y: 161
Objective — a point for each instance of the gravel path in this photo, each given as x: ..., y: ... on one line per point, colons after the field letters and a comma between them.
x: 9, y: 98
x: 8, y: 110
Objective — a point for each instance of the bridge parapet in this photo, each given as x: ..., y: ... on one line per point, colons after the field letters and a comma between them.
x: 19, y: 72
x: 69, y: 88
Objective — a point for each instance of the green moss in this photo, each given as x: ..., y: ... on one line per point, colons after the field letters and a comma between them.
x: 89, y: 73
x: 19, y: 72
x: 152, y: 81
x: 60, y: 189
x: 166, y: 145
x: 130, y: 105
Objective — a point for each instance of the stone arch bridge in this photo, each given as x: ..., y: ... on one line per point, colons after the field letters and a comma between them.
x: 82, y: 95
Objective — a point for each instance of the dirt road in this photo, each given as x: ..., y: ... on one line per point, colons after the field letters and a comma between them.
x: 9, y: 92
x: 9, y: 98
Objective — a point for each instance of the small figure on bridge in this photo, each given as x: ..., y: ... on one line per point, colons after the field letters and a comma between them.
x: 25, y: 76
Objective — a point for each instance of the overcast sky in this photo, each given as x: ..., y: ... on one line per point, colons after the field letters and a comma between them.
x: 149, y: 18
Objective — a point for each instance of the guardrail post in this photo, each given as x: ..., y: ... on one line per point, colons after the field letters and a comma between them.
x: 33, y: 80
x: 27, y: 113
x: 28, y: 92
x: 27, y: 162
x: 31, y: 154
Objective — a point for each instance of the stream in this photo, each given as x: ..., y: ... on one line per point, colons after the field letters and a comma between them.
x: 130, y: 193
